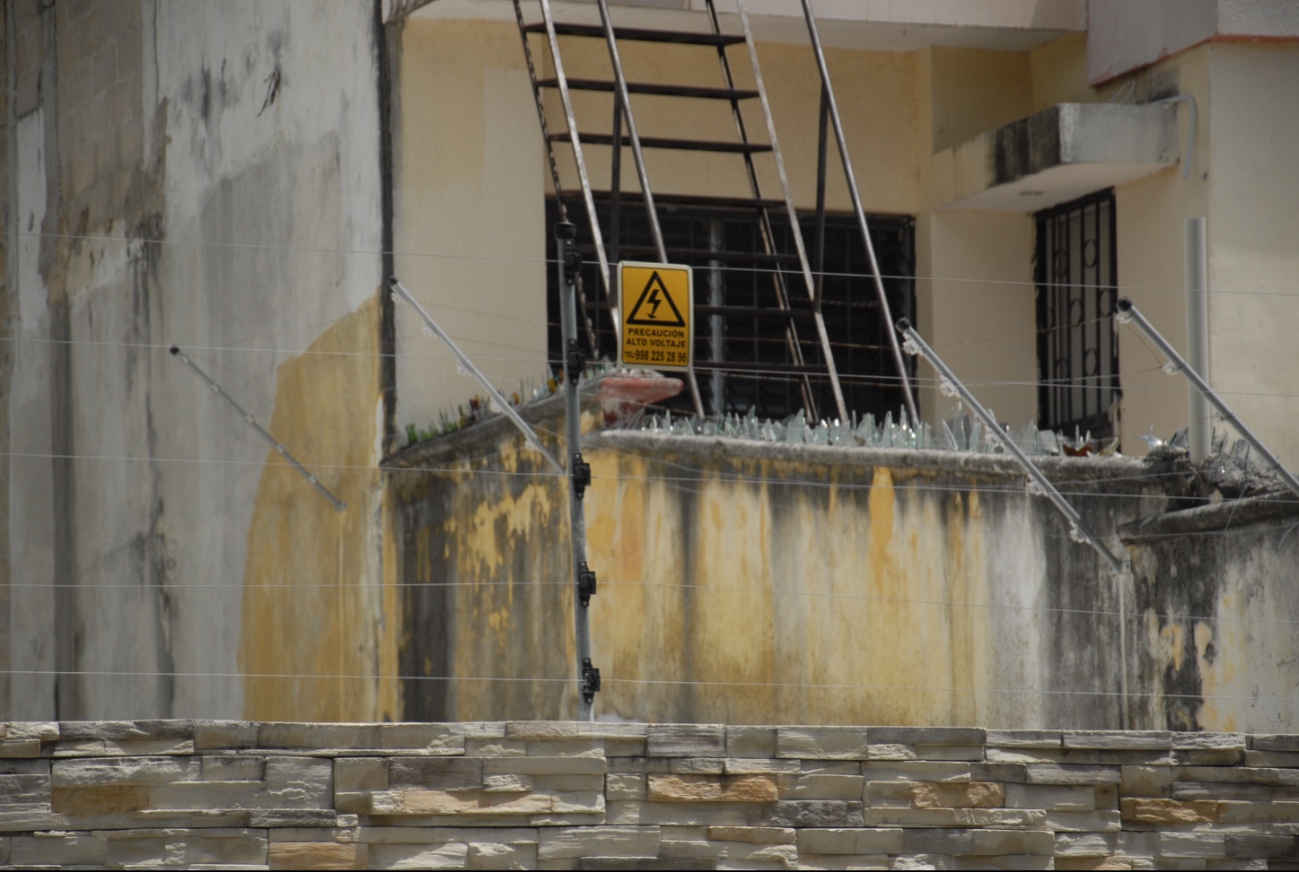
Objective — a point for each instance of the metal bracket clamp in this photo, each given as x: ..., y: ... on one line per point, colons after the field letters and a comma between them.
x: 585, y: 583
x: 581, y: 472
x: 574, y: 362
x: 590, y: 680
x: 572, y: 263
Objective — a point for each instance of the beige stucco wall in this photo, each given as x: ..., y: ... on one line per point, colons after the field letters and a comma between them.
x: 1149, y: 218
x: 974, y: 298
x: 1253, y: 229
x: 468, y: 212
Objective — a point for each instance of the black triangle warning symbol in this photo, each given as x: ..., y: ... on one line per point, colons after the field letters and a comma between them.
x: 662, y: 309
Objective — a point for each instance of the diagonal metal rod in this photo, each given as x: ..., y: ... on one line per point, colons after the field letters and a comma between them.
x: 1126, y: 311
x: 856, y: 205
x: 764, y: 217
x: 795, y: 229
x: 905, y: 328
x: 647, y: 195
x: 554, y: 167
x: 252, y: 422
x: 588, y: 198
x: 500, y: 401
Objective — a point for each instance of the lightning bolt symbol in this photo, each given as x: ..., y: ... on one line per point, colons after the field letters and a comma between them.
x: 655, y: 302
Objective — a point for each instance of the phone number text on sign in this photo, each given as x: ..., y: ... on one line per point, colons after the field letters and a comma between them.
x: 647, y: 345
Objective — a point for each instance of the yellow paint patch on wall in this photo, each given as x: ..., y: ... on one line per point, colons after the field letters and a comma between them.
x: 741, y: 583
x: 310, y: 604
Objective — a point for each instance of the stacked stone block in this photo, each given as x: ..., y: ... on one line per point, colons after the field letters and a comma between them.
x: 561, y: 795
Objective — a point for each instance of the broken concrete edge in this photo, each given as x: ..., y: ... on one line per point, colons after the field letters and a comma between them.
x: 998, y: 466
x: 491, y: 427
x: 619, y: 394
x: 1217, y: 517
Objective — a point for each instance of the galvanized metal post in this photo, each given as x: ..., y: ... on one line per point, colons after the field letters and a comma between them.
x: 579, y: 472
x: 716, y: 323
x: 1127, y: 311
x: 795, y: 230
x: 828, y: 90
x: 1199, y: 426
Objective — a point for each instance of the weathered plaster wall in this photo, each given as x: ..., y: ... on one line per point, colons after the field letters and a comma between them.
x: 205, y: 176
x: 312, y: 604
x: 741, y: 582
x: 479, y: 538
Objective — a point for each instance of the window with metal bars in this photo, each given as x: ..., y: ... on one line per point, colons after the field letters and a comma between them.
x: 1078, y: 355
x: 741, y: 341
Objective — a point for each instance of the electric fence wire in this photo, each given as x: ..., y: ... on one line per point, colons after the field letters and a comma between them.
x: 551, y: 261
x: 473, y: 586
x: 791, y: 685
x: 703, y: 477
x: 881, y: 380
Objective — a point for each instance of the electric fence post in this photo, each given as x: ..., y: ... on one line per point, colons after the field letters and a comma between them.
x: 579, y: 472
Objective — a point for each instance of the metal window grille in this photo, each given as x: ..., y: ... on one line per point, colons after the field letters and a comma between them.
x: 1077, y: 277
x: 732, y: 271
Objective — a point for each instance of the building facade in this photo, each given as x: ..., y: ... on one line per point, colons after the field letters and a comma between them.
x: 242, y: 181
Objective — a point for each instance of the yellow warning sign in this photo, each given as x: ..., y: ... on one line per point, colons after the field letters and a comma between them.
x: 657, y: 307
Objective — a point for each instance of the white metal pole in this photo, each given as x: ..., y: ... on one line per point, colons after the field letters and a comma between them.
x: 501, y: 403
x: 1129, y: 311
x: 1078, y: 528
x: 1199, y: 425
x: 851, y: 179
x: 215, y: 388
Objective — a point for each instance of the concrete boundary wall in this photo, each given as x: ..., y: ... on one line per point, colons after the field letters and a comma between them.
x: 563, y: 795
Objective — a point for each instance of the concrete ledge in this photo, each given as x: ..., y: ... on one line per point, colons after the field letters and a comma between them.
x: 1056, y: 155
x: 998, y: 466
x: 1227, y: 515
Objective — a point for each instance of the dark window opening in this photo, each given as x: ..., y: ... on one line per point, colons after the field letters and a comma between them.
x: 733, y: 270
x: 1077, y: 350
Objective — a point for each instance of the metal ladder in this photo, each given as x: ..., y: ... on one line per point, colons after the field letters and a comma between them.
x: 607, y: 253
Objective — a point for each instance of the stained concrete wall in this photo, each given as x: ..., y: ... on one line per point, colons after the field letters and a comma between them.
x: 207, y: 176
x: 744, y: 581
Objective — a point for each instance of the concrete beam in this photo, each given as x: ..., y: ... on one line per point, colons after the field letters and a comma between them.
x: 1123, y: 36
x: 1010, y: 25
x: 1056, y: 155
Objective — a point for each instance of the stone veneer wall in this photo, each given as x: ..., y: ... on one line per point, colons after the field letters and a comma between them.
x: 561, y: 795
